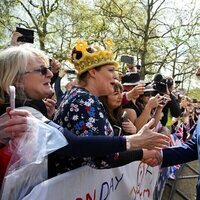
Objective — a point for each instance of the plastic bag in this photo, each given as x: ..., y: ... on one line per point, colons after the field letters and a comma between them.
x: 28, y: 163
x: 4, y: 150
x: 4, y: 137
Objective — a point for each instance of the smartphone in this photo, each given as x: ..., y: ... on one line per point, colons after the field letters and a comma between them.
x: 124, y: 117
x: 27, y: 35
x: 68, y: 71
x: 127, y: 59
x: 12, y: 96
x: 117, y: 130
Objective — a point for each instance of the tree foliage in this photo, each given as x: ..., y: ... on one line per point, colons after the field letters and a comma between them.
x: 161, y: 37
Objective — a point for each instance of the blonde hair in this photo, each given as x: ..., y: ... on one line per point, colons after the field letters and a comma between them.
x: 13, y: 64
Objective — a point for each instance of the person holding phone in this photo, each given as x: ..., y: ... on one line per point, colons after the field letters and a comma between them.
x: 22, y: 36
x: 14, y: 39
x: 116, y: 115
x: 129, y: 61
x: 120, y: 122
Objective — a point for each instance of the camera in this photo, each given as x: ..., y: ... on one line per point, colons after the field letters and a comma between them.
x: 164, y: 101
x: 160, y: 87
x: 27, y: 35
x: 160, y: 84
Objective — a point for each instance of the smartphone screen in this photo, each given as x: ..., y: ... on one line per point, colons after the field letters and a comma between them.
x: 28, y: 35
x: 124, y: 117
x: 127, y: 59
x: 117, y: 130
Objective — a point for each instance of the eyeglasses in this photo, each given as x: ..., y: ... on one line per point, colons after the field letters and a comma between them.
x: 43, y: 70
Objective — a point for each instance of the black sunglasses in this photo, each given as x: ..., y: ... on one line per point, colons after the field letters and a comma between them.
x: 43, y: 70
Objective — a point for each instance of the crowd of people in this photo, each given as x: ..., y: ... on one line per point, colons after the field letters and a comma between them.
x: 103, y: 119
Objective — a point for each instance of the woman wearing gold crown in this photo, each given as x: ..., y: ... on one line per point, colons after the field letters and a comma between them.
x: 83, y: 113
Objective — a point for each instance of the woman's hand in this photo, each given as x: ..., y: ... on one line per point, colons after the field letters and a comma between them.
x: 55, y: 66
x: 14, y: 123
x: 147, y: 138
x: 129, y: 127
x: 136, y: 91
x: 14, y: 39
x: 51, y: 107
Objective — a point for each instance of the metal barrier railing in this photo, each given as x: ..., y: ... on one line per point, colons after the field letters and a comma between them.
x: 178, y: 176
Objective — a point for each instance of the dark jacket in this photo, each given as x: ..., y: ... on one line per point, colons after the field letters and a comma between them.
x: 174, y: 108
x: 187, y: 152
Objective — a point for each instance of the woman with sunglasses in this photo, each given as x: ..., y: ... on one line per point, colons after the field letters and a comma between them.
x: 27, y: 69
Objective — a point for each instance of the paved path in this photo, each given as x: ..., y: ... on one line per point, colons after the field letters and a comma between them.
x: 186, y: 185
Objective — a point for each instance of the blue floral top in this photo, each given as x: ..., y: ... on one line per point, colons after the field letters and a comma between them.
x: 83, y: 114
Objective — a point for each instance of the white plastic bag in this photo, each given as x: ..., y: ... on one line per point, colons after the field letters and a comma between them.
x: 4, y: 137
x: 28, y: 164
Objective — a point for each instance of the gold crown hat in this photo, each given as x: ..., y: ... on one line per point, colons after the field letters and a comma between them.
x: 90, y: 60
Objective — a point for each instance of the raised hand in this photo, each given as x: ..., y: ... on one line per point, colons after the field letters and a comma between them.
x: 50, y: 105
x: 147, y: 138
x: 129, y: 127
x: 136, y: 91
x: 55, y: 66
x: 14, y: 39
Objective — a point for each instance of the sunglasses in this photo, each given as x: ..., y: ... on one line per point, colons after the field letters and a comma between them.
x: 43, y: 70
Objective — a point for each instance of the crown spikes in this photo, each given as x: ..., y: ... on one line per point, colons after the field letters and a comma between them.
x: 97, y: 58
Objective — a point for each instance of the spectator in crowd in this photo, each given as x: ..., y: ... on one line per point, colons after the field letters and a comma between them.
x: 131, y: 68
x: 23, y: 66
x: 150, y: 104
x: 133, y: 87
x: 172, y: 109
x: 55, y: 68
x: 120, y: 123
x: 81, y: 111
x: 187, y: 152
x: 57, y: 86
x: 113, y: 106
x: 135, y: 113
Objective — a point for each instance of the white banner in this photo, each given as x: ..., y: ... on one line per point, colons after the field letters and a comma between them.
x: 135, y: 181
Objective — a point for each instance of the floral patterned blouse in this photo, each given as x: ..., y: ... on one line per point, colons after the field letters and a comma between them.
x: 84, y: 115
